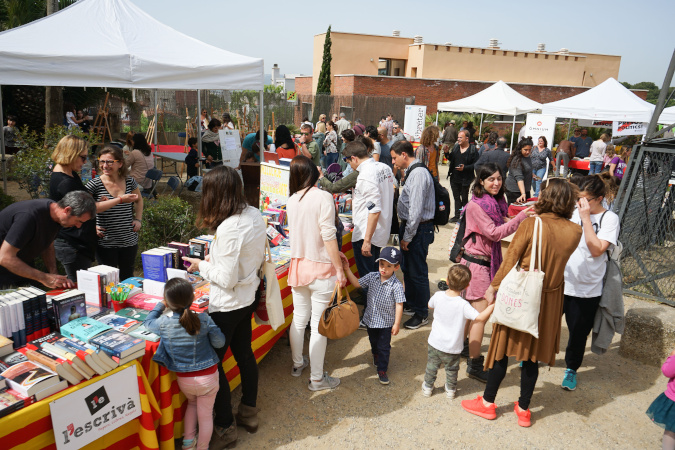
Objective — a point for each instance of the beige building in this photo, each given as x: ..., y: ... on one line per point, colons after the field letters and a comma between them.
x: 363, y: 54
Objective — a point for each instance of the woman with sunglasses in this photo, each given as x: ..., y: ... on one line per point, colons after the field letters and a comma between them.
x: 117, y: 229
x: 585, y: 271
x: 75, y: 247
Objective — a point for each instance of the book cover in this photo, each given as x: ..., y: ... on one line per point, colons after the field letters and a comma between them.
x: 40, y: 310
x: 134, y: 281
x: 143, y: 301
x: 27, y: 309
x: 183, y: 251
x: 84, y: 328
x: 90, y: 283
x: 118, y: 344
x: 142, y: 333
x: 154, y: 265
x: 9, y: 403
x: 197, y: 248
x: 119, y: 323
x: 69, y: 306
x: 14, y: 358
x: 133, y: 313
x: 174, y: 255
x: 28, y: 377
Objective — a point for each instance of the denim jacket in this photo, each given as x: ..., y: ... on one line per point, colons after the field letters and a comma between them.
x: 178, y: 351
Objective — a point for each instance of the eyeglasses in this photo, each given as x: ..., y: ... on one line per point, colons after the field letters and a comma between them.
x: 346, y: 158
x: 306, y: 134
x: 108, y: 162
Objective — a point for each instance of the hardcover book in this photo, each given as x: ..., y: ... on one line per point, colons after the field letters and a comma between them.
x: 84, y: 328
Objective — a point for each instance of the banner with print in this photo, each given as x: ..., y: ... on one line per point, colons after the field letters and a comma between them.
x: 88, y: 413
x: 629, y: 128
x: 413, y: 121
x: 540, y: 125
x: 230, y: 147
x: 585, y: 123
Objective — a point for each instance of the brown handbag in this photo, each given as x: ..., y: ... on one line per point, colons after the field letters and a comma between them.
x: 341, y: 317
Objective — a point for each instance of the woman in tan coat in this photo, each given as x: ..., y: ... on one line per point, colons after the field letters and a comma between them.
x: 560, y: 238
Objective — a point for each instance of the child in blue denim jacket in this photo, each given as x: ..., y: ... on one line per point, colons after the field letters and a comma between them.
x: 186, y: 347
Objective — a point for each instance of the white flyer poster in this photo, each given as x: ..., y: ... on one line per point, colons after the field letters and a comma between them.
x: 88, y: 413
x: 413, y: 121
x: 628, y: 128
x: 540, y: 125
x: 230, y: 146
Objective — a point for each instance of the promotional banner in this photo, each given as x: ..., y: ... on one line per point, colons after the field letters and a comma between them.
x: 629, y: 128
x: 274, y: 183
x: 585, y: 123
x: 87, y: 414
x: 413, y: 121
x: 540, y: 125
x: 230, y: 146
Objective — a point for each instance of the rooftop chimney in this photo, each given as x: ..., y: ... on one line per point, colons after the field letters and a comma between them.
x: 448, y: 44
x: 275, y: 74
x: 396, y: 33
x: 494, y: 43
x: 564, y: 51
x: 418, y: 39
x: 541, y: 47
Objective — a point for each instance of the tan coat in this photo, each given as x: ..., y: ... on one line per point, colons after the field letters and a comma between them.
x: 560, y: 239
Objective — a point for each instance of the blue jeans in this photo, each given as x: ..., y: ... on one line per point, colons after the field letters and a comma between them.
x: 539, y: 173
x: 596, y: 167
x: 416, y: 270
x: 365, y: 264
x: 331, y: 158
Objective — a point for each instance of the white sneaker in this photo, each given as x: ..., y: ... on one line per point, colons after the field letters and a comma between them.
x: 450, y: 393
x: 297, y: 371
x: 325, y: 383
x: 426, y: 390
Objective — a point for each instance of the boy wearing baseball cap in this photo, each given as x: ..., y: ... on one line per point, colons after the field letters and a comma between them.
x: 384, y: 307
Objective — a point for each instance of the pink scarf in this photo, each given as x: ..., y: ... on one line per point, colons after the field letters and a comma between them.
x: 496, y: 209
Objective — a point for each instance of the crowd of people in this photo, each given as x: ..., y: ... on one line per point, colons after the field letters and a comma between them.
x: 392, y: 185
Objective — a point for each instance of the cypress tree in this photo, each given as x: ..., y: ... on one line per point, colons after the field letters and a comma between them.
x: 323, y: 86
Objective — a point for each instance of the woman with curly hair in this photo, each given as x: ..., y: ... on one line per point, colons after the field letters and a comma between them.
x: 519, y: 180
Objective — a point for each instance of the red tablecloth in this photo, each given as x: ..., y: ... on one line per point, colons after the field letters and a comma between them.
x: 580, y: 164
x: 515, y: 209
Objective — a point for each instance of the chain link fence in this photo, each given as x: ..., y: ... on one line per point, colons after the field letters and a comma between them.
x: 646, y: 207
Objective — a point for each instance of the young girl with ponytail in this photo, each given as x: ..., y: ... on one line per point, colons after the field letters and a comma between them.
x: 186, y: 346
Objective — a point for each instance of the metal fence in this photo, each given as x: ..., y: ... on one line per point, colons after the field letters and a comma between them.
x: 646, y: 207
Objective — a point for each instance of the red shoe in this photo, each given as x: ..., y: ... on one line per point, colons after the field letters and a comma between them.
x: 478, y: 408
x: 523, y: 417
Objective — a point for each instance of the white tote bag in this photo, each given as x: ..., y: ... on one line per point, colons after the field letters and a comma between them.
x: 270, y: 310
x: 518, y: 300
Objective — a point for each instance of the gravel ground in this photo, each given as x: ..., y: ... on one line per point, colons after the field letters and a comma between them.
x: 606, y: 410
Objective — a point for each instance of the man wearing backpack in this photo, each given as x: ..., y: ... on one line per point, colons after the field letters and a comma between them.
x: 461, y: 161
x: 416, y: 209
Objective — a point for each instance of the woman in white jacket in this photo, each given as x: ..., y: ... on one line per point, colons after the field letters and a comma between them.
x: 236, y: 253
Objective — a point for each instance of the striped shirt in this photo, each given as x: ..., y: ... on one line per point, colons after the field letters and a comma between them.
x: 382, y: 298
x: 417, y: 201
x: 117, y: 221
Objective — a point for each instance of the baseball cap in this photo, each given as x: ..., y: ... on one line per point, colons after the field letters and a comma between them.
x: 390, y: 254
x: 452, y: 121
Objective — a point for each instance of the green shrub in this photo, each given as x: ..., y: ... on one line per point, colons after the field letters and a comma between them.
x: 164, y: 220
x: 5, y: 200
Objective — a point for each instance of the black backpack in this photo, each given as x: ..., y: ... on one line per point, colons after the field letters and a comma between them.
x: 442, y: 204
x: 457, y: 245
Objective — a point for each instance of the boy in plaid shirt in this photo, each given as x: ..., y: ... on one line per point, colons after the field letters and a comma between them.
x: 384, y: 307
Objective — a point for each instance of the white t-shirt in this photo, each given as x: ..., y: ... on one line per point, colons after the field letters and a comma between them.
x: 598, y: 150
x: 376, y: 150
x: 584, y: 273
x: 450, y: 316
x: 374, y: 192
x: 70, y: 118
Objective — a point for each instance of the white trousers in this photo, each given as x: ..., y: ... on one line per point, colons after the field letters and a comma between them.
x: 309, y: 302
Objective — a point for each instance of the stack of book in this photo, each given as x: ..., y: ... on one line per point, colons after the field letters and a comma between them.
x: 27, y: 382
x: 183, y: 251
x: 199, y: 246
x: 93, y: 282
x: 68, y: 306
x: 156, y: 261
x: 120, y: 346
x: 23, y: 315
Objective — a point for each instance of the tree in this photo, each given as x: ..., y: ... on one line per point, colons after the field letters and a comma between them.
x: 323, y: 86
x: 653, y: 91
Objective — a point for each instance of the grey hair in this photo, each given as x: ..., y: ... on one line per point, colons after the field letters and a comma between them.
x: 357, y: 121
x: 501, y: 142
x: 80, y: 203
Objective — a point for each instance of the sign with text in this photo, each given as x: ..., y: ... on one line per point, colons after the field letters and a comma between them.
x: 93, y: 411
x: 628, y: 128
x: 413, y: 121
x: 540, y: 125
x: 595, y: 123
x: 273, y: 183
x: 230, y: 146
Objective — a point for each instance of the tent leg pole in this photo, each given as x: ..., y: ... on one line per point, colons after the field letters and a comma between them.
x: 154, y: 133
x: 480, y: 128
x: 2, y: 147
x: 436, y: 118
x: 261, y: 128
x: 199, y: 126
x: 569, y: 126
x: 513, y: 132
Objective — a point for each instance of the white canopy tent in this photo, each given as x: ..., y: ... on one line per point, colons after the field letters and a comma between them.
x: 499, y: 99
x: 667, y: 116
x: 124, y: 48
x: 610, y: 100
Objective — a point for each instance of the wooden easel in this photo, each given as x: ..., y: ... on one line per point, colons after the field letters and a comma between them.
x: 101, y: 125
x: 150, y: 134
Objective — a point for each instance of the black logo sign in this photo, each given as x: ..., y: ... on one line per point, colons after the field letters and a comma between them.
x: 97, y: 400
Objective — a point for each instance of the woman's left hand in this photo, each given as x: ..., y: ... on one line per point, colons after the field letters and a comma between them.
x: 136, y: 223
x: 584, y: 209
x: 194, y: 264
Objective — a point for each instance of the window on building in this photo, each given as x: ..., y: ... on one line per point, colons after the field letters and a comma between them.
x: 413, y: 72
x: 391, y: 67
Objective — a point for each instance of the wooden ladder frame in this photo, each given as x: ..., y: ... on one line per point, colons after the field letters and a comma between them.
x: 101, y: 124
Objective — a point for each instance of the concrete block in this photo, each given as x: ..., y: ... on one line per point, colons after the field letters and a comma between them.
x: 649, y: 336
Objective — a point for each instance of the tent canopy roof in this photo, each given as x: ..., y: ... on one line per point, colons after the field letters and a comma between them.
x: 610, y: 100
x: 123, y: 47
x: 668, y: 116
x: 500, y: 98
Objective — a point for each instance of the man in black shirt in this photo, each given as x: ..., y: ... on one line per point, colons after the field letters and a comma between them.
x: 461, y: 161
x: 28, y: 230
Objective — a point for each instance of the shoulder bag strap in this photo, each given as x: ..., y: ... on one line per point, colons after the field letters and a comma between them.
x: 536, y: 249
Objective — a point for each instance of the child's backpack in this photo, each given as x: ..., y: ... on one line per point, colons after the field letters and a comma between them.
x: 442, y: 196
x: 456, y: 249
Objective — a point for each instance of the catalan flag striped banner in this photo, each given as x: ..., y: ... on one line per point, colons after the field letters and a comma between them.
x: 31, y: 427
x: 162, y: 402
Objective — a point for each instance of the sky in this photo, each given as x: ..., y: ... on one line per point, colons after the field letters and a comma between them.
x: 282, y: 32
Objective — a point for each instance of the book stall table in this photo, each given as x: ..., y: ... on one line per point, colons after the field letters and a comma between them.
x: 31, y: 427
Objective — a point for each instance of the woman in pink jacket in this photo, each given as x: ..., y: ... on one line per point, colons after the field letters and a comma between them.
x: 486, y: 225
